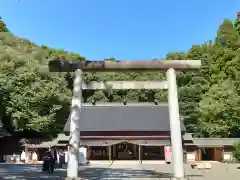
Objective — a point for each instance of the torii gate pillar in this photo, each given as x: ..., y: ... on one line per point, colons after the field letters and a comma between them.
x: 175, y: 126
x: 74, y: 142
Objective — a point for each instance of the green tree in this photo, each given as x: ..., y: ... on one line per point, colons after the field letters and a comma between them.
x: 236, y: 151
x: 220, y: 111
x: 227, y: 34
x: 32, y: 99
x: 237, y: 23
x: 3, y: 27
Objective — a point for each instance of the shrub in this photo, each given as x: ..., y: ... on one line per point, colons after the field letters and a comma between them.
x: 236, y: 151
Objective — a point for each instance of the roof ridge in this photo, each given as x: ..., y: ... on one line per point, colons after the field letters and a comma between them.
x: 128, y: 104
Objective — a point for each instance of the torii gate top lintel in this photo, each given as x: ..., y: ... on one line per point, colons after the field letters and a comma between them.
x: 125, y: 65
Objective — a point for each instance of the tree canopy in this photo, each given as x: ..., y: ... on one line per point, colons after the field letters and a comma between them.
x: 32, y: 99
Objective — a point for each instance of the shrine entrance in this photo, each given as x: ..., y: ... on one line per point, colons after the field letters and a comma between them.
x: 153, y: 153
x: 125, y: 151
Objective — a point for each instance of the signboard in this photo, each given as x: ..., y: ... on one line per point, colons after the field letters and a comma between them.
x: 191, y: 156
x: 82, y: 155
x: 168, y: 153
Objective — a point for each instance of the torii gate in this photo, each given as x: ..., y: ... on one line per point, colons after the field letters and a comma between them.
x: 170, y: 66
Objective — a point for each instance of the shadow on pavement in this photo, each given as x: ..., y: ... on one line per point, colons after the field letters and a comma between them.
x: 170, y: 175
x: 34, y: 172
x: 120, y: 173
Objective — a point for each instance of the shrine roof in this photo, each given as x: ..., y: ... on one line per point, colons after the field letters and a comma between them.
x: 119, y: 117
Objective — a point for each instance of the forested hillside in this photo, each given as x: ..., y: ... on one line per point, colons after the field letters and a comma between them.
x: 32, y: 99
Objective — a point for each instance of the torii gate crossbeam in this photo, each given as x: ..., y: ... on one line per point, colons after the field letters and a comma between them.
x: 101, y: 66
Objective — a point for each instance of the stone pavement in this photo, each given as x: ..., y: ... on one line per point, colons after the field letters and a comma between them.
x: 34, y: 172
x: 92, y: 172
x: 218, y: 171
x: 119, y: 171
x: 127, y: 172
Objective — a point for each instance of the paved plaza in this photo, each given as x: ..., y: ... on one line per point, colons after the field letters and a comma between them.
x: 119, y: 171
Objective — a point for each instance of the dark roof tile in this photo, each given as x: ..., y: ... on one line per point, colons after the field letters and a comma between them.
x: 119, y: 117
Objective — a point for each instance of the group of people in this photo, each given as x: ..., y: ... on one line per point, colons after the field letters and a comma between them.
x: 51, y: 158
x: 49, y: 161
x: 27, y: 157
x: 56, y: 156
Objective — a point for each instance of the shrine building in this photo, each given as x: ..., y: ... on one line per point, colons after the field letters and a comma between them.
x: 124, y: 132
x: 135, y: 132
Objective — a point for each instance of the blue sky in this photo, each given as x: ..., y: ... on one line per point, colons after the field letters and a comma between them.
x: 124, y: 29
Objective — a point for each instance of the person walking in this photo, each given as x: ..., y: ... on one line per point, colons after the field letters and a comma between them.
x: 34, y: 157
x: 23, y: 157
x: 61, y: 158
